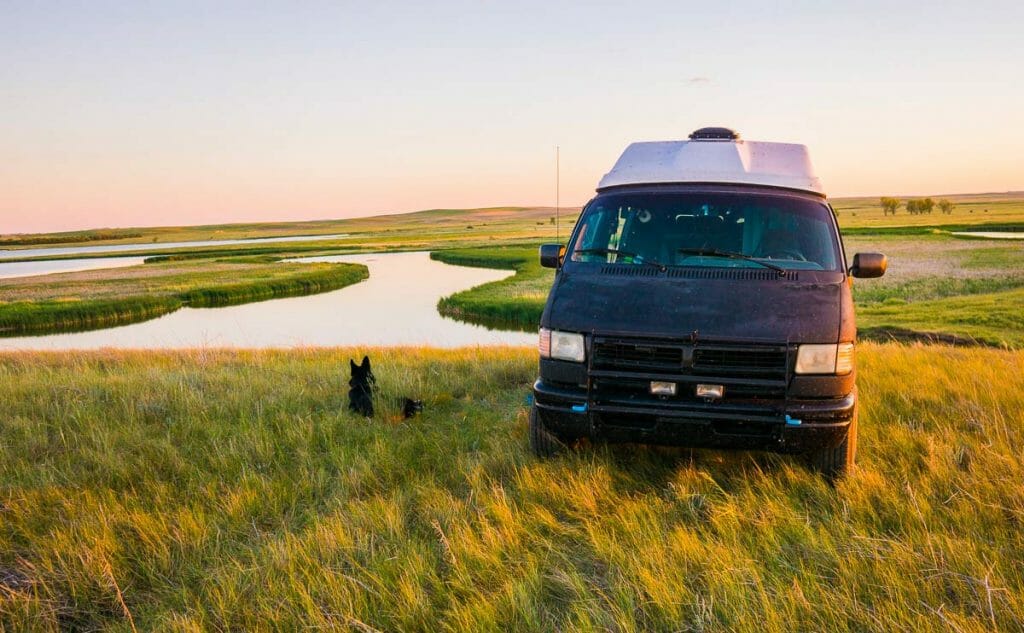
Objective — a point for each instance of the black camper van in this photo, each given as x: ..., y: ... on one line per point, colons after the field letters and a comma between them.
x: 703, y: 300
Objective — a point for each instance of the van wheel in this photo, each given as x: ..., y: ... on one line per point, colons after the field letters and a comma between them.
x: 836, y: 463
x: 542, y: 442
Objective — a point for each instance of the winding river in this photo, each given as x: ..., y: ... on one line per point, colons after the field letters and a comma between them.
x: 993, y: 235
x: 54, y: 251
x: 397, y: 305
x: 9, y: 270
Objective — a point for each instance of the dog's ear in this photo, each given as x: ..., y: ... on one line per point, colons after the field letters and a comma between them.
x: 352, y: 363
x: 366, y: 362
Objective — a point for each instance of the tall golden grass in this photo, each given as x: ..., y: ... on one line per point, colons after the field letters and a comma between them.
x: 232, y: 490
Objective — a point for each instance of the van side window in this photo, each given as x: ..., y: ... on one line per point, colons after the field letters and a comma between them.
x: 601, y: 229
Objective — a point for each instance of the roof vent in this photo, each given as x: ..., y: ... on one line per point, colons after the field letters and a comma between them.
x: 714, y: 134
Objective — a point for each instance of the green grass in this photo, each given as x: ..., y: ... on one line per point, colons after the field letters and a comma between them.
x: 936, y: 229
x: 1009, y: 257
x: 43, y: 317
x: 993, y: 319
x: 514, y: 303
x: 109, y: 297
x: 928, y: 288
x: 209, y: 490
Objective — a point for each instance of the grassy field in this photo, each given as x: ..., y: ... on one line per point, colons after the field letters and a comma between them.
x: 217, y: 490
x: 943, y: 287
x: 970, y: 209
x: 107, y: 297
x: 421, y: 230
x: 210, y: 490
x: 426, y: 229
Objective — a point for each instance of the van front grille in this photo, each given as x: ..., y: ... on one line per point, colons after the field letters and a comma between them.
x: 751, y: 359
x: 701, y: 359
x: 624, y: 355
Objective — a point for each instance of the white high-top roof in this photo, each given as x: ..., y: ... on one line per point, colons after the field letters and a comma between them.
x: 715, y: 160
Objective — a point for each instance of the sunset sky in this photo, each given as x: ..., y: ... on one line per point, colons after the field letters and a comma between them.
x: 130, y: 114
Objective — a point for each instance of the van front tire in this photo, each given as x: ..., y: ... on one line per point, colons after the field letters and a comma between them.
x: 543, y: 443
x: 835, y: 463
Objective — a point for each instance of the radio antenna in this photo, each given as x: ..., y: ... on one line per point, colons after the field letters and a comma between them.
x: 558, y: 190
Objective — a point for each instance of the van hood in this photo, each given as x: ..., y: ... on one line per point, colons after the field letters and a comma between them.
x: 750, y: 306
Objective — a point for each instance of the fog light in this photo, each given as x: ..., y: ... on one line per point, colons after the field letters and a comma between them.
x: 710, y: 391
x: 659, y: 388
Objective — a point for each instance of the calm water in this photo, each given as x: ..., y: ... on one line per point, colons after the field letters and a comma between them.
x: 30, y: 269
x: 122, y: 248
x: 993, y: 235
x: 397, y: 305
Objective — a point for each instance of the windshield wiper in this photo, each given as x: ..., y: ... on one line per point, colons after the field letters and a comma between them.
x: 614, y: 251
x: 717, y: 252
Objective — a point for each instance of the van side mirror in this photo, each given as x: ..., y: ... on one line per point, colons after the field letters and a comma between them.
x: 868, y: 265
x: 551, y: 255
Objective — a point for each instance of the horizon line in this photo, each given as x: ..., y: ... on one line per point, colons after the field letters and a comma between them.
x: 380, y: 214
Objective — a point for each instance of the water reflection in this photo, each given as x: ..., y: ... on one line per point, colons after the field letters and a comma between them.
x: 397, y: 305
x: 123, y: 248
x: 9, y: 270
x: 993, y: 235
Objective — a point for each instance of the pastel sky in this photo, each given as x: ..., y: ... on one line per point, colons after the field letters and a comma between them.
x: 145, y: 113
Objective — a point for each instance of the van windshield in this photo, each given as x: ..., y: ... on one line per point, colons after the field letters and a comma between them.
x: 707, y: 229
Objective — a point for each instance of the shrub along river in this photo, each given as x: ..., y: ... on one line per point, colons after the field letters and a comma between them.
x: 397, y: 305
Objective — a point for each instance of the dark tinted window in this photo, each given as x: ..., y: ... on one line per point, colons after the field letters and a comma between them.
x: 667, y: 228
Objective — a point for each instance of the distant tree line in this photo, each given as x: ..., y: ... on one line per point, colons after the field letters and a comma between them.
x: 66, y: 238
x: 915, y: 206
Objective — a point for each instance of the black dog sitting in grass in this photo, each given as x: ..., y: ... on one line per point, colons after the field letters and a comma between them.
x: 360, y: 393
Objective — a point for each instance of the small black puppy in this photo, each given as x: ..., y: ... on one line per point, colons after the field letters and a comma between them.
x: 362, y: 382
x: 411, y: 407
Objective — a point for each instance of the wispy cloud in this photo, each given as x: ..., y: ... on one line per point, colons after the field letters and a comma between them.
x: 699, y: 80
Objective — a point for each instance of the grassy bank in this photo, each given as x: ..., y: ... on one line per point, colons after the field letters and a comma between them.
x: 995, y: 318
x: 513, y: 303
x: 233, y: 491
x: 104, y: 298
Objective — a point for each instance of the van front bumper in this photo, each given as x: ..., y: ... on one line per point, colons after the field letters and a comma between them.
x: 785, y: 426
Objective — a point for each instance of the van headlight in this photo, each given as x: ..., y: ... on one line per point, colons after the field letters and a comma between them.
x: 825, y: 359
x: 562, y: 345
